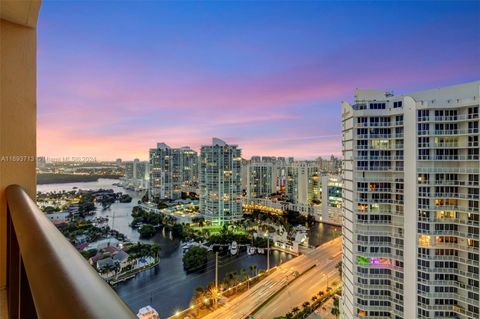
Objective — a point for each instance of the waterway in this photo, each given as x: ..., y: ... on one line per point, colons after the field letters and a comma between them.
x: 167, y: 287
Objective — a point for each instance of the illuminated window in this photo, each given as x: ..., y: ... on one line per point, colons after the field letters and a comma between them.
x: 446, y: 214
x: 380, y: 144
x: 362, y: 207
x: 362, y: 313
x: 424, y: 240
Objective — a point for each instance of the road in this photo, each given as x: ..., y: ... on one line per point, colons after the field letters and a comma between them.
x: 325, y: 257
x: 301, y: 290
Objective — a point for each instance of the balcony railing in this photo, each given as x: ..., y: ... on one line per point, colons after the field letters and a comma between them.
x: 46, y: 276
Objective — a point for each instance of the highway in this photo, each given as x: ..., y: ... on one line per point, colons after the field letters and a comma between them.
x: 301, y: 290
x: 325, y: 257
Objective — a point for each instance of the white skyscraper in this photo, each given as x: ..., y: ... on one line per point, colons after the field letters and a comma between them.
x: 172, y: 171
x: 411, y: 204
x: 220, y: 181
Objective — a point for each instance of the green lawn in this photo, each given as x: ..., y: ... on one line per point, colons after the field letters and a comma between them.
x: 215, y: 229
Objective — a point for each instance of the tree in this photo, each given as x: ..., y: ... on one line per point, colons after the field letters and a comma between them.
x: 335, y: 309
x: 295, y: 310
x: 253, y: 270
x: 214, y: 294
x: 243, y: 274
x: 178, y: 231
x: 87, y: 254
x: 147, y: 231
x: 162, y: 204
x: 195, y: 259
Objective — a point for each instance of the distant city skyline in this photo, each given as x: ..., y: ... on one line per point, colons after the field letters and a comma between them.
x: 113, y: 80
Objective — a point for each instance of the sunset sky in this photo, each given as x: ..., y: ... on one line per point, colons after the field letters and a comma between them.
x: 115, y: 78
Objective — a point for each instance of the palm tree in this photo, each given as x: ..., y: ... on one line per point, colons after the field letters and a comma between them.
x: 305, y: 304
x: 295, y: 310
x: 335, y: 311
x: 214, y: 294
x: 243, y: 273
x: 289, y: 315
x: 199, y: 295
x: 336, y: 302
x: 253, y: 269
x: 230, y: 278
x: 244, y: 276
x: 321, y: 293
x: 314, y: 298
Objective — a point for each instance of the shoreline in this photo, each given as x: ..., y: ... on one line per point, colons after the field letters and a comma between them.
x: 49, y: 178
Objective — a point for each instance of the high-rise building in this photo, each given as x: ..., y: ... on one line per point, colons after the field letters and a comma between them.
x: 303, y: 182
x: 220, y: 181
x: 136, y: 172
x: 271, y: 179
x: 129, y: 170
x: 260, y: 178
x: 299, y: 180
x: 188, y: 167
x: 411, y: 204
x: 172, y: 171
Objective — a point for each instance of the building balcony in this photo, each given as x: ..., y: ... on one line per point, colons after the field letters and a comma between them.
x: 46, y: 276
x: 455, y: 170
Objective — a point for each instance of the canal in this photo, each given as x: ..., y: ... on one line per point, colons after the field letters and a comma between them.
x: 167, y: 287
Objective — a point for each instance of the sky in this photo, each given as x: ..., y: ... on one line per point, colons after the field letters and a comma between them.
x: 116, y: 77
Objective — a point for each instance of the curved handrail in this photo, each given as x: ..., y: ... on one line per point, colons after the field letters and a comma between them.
x: 62, y: 283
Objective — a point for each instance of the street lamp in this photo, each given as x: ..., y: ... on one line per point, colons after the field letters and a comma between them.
x: 268, y: 250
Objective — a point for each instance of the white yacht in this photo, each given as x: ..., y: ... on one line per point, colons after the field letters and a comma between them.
x: 148, y: 312
x: 251, y: 250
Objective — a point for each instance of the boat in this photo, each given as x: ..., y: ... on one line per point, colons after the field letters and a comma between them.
x: 234, y: 248
x: 251, y: 250
x: 187, y: 245
x: 148, y: 312
x: 261, y: 251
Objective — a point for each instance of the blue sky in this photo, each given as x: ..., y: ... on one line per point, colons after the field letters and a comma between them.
x: 117, y: 77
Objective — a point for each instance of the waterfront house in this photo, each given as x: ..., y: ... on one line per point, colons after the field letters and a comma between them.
x: 121, y: 258
x: 59, y: 218
x: 105, y: 264
x: 103, y: 243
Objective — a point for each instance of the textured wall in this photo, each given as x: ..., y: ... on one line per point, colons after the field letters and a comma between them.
x: 17, y: 117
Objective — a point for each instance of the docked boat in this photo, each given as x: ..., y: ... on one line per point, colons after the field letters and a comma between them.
x: 148, y: 312
x: 251, y: 250
x: 261, y: 251
x: 187, y: 245
x: 234, y: 248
